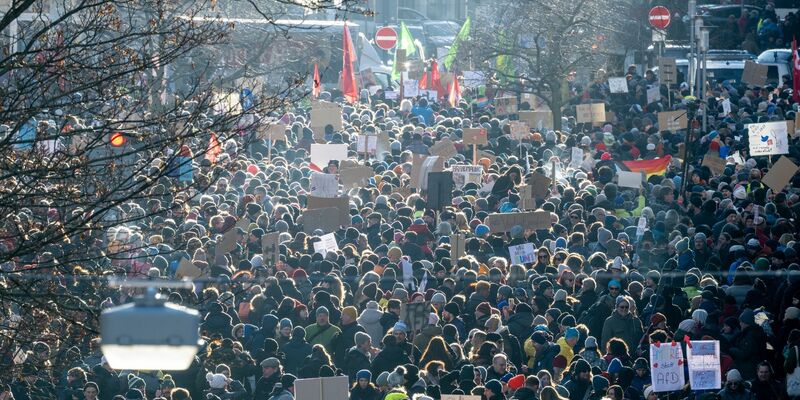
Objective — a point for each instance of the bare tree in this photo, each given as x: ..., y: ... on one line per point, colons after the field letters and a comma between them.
x: 534, y: 45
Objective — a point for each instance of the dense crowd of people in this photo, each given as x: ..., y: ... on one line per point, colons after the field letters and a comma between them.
x: 404, y: 315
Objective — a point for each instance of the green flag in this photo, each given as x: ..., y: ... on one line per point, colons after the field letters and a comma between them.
x: 505, y: 70
x: 462, y: 36
x: 404, y: 42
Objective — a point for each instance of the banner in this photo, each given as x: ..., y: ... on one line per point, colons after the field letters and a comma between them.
x: 322, y: 154
x: 768, y: 138
x: 326, y: 244
x: 522, y: 254
x: 705, y: 372
x: 666, y: 367
x: 464, y: 174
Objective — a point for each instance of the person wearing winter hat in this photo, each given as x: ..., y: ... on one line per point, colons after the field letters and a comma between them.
x: 592, y: 355
x: 735, y: 387
x: 749, y: 347
x: 382, y: 381
x: 567, y: 344
x: 580, y: 383
x: 322, y: 331
x: 600, y: 384
x: 650, y: 393
x: 493, y: 390
x: 363, y: 388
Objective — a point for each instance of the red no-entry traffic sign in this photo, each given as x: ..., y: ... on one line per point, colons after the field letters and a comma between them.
x: 386, y: 38
x: 659, y: 17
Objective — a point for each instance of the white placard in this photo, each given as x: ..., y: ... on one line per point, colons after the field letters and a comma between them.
x: 324, y: 185
x: 326, y: 244
x: 726, y: 106
x: 577, y: 157
x: 768, y: 138
x: 522, y: 254
x: 666, y: 367
x: 391, y: 94
x: 464, y: 174
x: 519, y: 130
x: 367, y: 144
x: 629, y: 179
x: 322, y: 154
x: 640, y: 228
x: 653, y: 94
x: 410, y: 88
x: 704, y: 364
x: 618, y: 85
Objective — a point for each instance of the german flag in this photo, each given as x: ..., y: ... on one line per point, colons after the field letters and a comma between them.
x: 657, y: 166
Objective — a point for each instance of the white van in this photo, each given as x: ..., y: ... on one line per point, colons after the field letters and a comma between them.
x: 779, y: 62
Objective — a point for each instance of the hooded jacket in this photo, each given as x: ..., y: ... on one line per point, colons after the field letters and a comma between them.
x: 370, y: 320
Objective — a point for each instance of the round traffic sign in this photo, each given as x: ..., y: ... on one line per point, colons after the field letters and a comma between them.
x: 659, y: 17
x: 386, y: 38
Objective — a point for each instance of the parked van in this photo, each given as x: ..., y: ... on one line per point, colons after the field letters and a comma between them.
x: 779, y: 63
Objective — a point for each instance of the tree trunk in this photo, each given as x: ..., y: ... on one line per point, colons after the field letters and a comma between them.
x: 556, y: 101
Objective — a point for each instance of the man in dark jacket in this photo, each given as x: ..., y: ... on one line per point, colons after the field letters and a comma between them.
x: 520, y: 324
x: 481, y: 295
x: 545, y: 351
x: 346, y: 338
x: 391, y: 316
x: 765, y: 386
x: 297, y: 350
x: 750, y: 345
x: 106, y: 380
x: 359, y: 356
x: 581, y: 383
x: 389, y: 357
x: 271, y: 373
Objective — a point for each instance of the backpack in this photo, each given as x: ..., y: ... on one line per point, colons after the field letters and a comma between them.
x: 793, y: 379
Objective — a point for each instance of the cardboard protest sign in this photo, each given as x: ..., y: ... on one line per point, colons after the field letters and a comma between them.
x: 486, y: 154
x: 324, y: 113
x: 780, y: 174
x: 618, y: 85
x: 672, y: 121
x: 270, y: 246
x: 421, y: 166
x: 326, y: 244
x: 228, y: 242
x: 714, y: 163
x: 322, y: 154
x: 464, y: 174
x: 273, y: 132
x: 187, y: 269
x: 629, y: 179
x: 367, y: 144
x: 540, y: 184
x: 526, y: 201
x: 666, y: 367
x: 653, y: 94
x: 440, y: 189
x: 326, y: 219
x: 522, y: 254
x: 443, y: 148
x: 598, y: 113
x: 410, y: 88
x: 330, y: 388
x: 341, y: 203
x: 583, y: 113
x: 476, y: 136
x: 768, y: 138
x: 519, y: 130
x: 754, y: 74
x: 528, y: 220
x: 704, y: 364
x: 324, y: 185
x: 539, y: 120
x: 667, y: 71
x: 458, y: 247
x: 505, y: 106
x: 356, y: 177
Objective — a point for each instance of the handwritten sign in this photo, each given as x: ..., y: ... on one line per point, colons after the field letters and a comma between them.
x: 653, y: 94
x: 768, y: 138
x: 618, y: 85
x: 519, y: 130
x: 505, y: 106
x: 464, y: 174
x: 704, y: 364
x: 326, y: 244
x: 672, y: 121
x: 666, y: 367
x: 475, y: 136
x: 522, y: 254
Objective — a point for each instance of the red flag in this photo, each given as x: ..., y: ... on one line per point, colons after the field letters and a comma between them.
x: 317, y: 89
x: 435, y: 81
x: 795, y: 71
x: 214, y: 149
x: 455, y: 93
x: 349, y: 84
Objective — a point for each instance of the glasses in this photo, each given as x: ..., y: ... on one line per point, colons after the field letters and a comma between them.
x: 615, y: 289
x: 542, y: 256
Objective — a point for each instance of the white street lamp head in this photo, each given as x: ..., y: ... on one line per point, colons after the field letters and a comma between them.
x: 150, y: 334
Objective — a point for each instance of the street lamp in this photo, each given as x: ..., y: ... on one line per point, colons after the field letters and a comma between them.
x: 150, y: 334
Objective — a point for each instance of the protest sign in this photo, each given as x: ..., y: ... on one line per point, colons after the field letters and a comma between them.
x: 476, y: 136
x: 324, y: 185
x: 522, y: 254
x: 629, y: 179
x: 539, y: 120
x: 505, y: 106
x: 443, y: 148
x: 591, y: 113
x: 599, y: 113
x: 768, y: 138
x: 410, y: 88
x: 653, y: 94
x: 458, y: 244
x: 667, y: 71
x: 666, y: 367
x: 391, y: 95
x: 326, y: 219
x: 519, y: 130
x: 540, y: 184
x: 270, y: 246
x: 340, y: 203
x: 714, y: 163
x: 324, y: 113
x: 672, y: 121
x: 228, y: 242
x: 367, y: 144
x: 780, y: 174
x: 356, y: 177
x: 272, y: 132
x: 421, y: 166
x: 322, y: 154
x: 503, y: 222
x: 618, y: 85
x: 640, y: 227
x: 440, y: 189
x: 576, y: 159
x: 326, y: 244
x: 187, y: 269
x: 464, y: 174
x: 726, y: 107
x: 431, y: 95
x: 754, y: 74
x: 704, y: 364
x: 330, y: 388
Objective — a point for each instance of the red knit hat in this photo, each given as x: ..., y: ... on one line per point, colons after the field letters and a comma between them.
x: 560, y: 362
x: 516, y: 382
x: 657, y: 318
